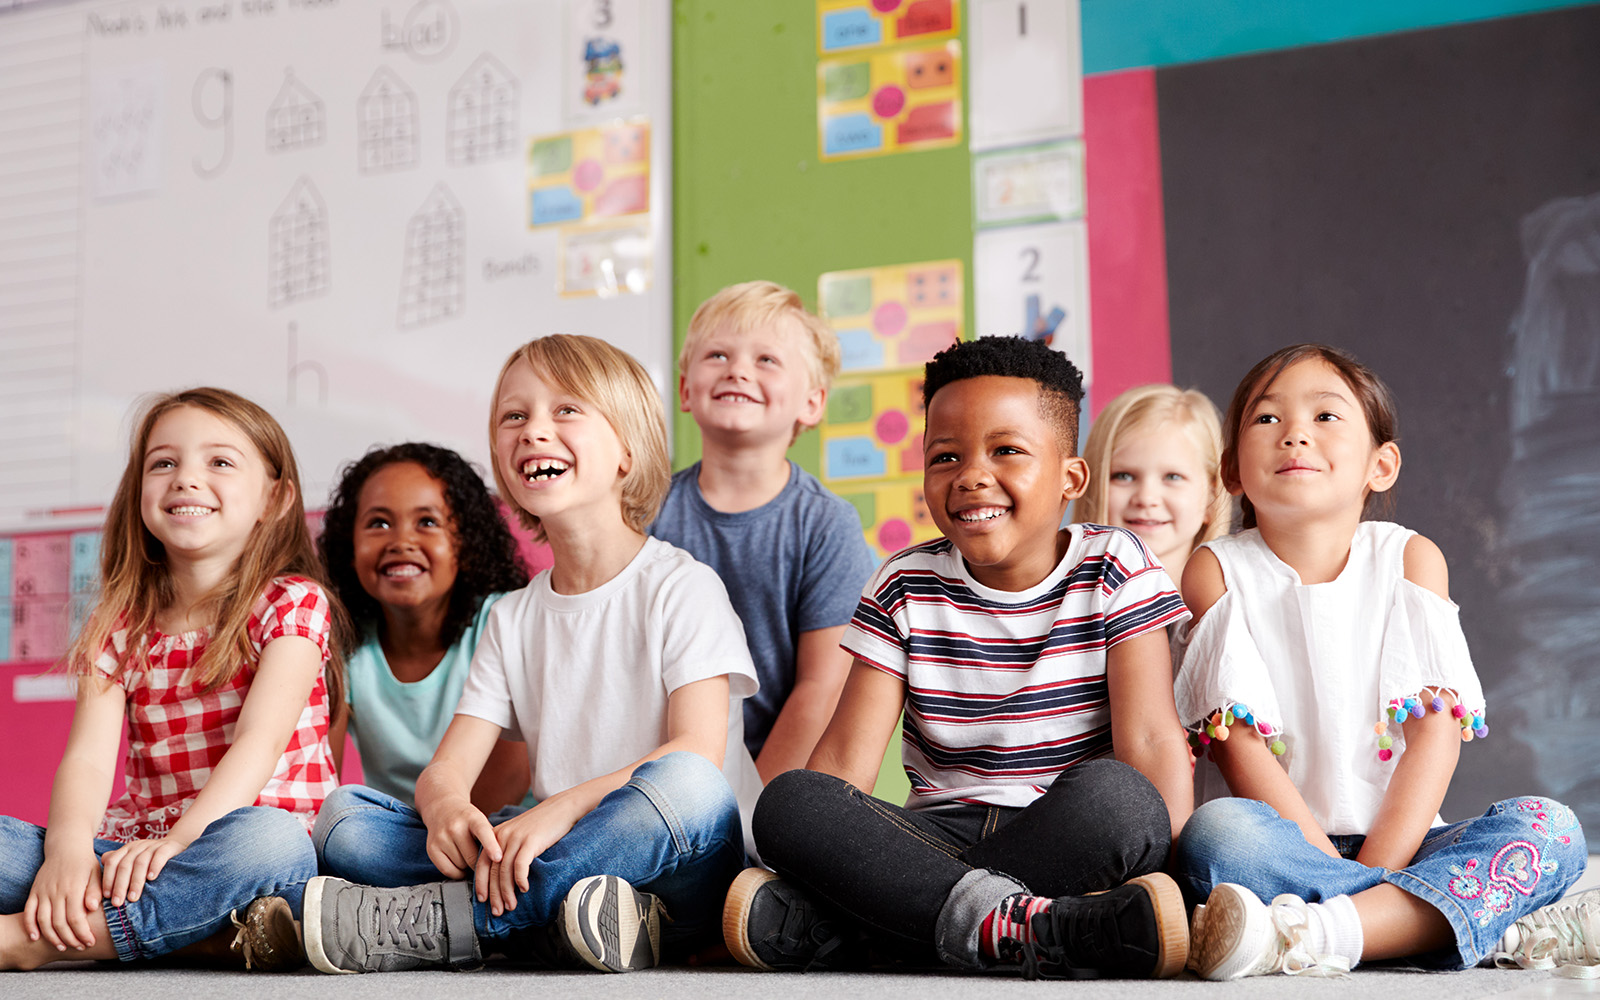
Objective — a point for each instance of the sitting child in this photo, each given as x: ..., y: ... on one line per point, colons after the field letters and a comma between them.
x: 418, y: 553
x: 754, y: 374
x: 1329, y: 648
x: 1025, y: 656
x: 621, y: 668
x: 1154, y: 457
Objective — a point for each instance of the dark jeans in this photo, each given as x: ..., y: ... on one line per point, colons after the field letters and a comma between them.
x: 928, y: 878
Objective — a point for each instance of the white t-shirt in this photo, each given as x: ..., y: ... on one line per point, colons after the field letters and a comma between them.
x: 1320, y: 664
x: 583, y: 679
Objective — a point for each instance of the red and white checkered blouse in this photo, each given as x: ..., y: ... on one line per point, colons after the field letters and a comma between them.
x: 177, y: 731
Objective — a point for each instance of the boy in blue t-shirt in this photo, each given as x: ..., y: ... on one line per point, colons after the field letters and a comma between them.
x: 754, y: 373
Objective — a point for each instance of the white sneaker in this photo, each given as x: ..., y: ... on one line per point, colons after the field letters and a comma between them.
x: 1241, y: 936
x: 1564, y: 936
x: 612, y: 926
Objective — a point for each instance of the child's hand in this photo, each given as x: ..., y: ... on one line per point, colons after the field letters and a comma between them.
x: 126, y: 869
x: 453, y: 840
x: 522, y: 838
x: 65, y: 890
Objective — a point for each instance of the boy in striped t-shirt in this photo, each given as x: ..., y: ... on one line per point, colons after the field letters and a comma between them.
x: 1040, y: 733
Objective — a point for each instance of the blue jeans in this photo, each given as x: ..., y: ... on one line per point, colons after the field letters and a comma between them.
x: 250, y: 852
x: 673, y: 830
x: 1482, y: 873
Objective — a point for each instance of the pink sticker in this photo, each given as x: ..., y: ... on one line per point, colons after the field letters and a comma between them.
x: 892, y: 427
x: 885, y: 6
x: 624, y: 196
x: 889, y: 319
x: 888, y: 101
x: 894, y: 535
x: 588, y: 175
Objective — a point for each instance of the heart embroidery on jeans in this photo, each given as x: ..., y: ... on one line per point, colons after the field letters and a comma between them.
x: 1516, y: 865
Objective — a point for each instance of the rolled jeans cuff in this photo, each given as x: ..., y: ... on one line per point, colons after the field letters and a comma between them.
x: 955, y: 935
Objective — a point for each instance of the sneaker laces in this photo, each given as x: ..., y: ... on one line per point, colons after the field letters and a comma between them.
x: 1563, y: 936
x: 1289, y: 952
x: 1086, y: 927
x: 410, y: 917
x: 805, y: 932
x: 243, y: 942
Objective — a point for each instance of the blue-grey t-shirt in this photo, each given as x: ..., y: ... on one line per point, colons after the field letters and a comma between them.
x: 795, y: 564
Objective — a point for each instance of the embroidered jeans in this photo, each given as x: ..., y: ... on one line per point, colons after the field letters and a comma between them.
x: 673, y: 830
x: 250, y: 852
x: 1482, y: 873
x: 926, y: 879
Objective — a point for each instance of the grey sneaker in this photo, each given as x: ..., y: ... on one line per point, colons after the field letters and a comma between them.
x: 268, y: 938
x: 612, y: 926
x: 357, y: 928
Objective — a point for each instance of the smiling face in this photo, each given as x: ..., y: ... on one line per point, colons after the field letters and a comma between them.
x: 204, y: 487
x: 404, y: 543
x: 751, y: 387
x: 997, y: 480
x: 1157, y: 488
x: 558, y: 455
x: 1305, y: 449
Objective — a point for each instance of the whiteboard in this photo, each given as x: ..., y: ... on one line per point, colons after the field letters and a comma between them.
x: 321, y: 204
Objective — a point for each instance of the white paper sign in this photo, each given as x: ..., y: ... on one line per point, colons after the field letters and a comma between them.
x: 126, y: 128
x: 1026, y: 71
x: 603, y: 62
x: 1041, y: 183
x: 1033, y: 281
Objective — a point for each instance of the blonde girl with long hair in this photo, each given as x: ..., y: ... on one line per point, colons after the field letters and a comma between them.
x: 211, y: 642
x: 1155, y: 468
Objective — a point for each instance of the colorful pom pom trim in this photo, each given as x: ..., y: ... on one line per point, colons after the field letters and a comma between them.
x: 1402, y: 710
x: 1220, y: 725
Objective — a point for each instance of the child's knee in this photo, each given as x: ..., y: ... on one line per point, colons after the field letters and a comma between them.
x: 266, y: 844
x: 688, y: 789
x: 789, y: 807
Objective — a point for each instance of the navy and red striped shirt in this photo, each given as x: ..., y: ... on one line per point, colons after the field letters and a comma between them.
x: 1007, y: 690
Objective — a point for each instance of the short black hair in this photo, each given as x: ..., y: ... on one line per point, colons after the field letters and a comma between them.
x: 1060, y: 382
x: 487, y: 558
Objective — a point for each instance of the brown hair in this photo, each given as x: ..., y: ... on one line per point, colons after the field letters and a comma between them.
x: 135, y: 582
x: 613, y: 381
x: 1377, y: 403
x: 1144, y: 408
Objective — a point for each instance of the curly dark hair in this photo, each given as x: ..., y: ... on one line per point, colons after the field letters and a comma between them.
x: 487, y: 559
x: 1060, y: 382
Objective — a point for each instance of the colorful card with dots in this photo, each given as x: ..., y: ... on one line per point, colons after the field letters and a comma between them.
x: 889, y: 102
x: 894, y: 317
x: 597, y: 173
x: 873, y: 427
x: 893, y: 514
x: 843, y: 25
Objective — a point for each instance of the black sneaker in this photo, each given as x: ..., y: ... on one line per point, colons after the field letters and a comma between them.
x: 768, y: 924
x: 1138, y: 930
x: 357, y: 928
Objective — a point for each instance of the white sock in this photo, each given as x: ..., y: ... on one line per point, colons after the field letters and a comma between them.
x: 1334, y: 928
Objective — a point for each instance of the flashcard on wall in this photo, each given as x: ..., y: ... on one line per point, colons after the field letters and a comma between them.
x: 1033, y: 281
x: 873, y: 427
x: 596, y: 173
x: 6, y: 550
x: 893, y: 514
x: 605, y: 43
x: 41, y: 578
x: 894, y: 317
x: 889, y: 102
x: 1042, y: 183
x: 606, y: 260
x: 858, y: 24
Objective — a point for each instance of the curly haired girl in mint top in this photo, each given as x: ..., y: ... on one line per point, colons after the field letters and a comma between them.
x: 1329, y: 680
x: 210, y: 640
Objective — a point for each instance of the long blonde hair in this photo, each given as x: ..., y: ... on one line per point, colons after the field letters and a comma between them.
x: 135, y: 582
x: 1144, y: 408
x: 620, y: 388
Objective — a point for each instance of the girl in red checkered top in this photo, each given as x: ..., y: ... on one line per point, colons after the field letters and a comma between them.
x: 212, y: 639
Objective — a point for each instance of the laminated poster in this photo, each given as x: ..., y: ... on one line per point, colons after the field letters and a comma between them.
x: 894, y: 317
x: 598, y: 173
x: 843, y: 25
x: 889, y: 102
x: 606, y: 260
x: 893, y: 514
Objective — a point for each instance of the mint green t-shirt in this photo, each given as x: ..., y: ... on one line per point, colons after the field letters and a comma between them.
x: 397, y: 726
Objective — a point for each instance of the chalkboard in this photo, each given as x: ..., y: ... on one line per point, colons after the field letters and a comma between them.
x: 1426, y: 201
x: 342, y: 209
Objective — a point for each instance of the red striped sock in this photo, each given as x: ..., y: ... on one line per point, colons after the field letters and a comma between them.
x: 1012, y: 919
